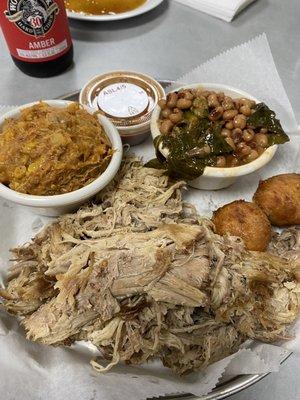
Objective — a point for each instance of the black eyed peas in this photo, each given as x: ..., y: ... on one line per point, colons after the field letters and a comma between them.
x: 245, y: 110
x: 232, y: 161
x: 260, y: 150
x: 226, y: 132
x: 184, y: 104
x: 227, y: 103
x: 166, y: 126
x: 229, y: 125
x: 212, y: 100
x: 252, y: 156
x: 186, y: 95
x: 176, y: 116
x: 248, y: 134
x: 172, y: 100
x: 236, y: 135
x: 221, y: 162
x: 205, y: 93
x: 166, y: 112
x: 247, y: 102
x: 243, y: 149
x: 221, y: 96
x: 162, y: 103
x: 239, y: 121
x: 216, y: 113
x: 231, y: 115
x: 261, y: 140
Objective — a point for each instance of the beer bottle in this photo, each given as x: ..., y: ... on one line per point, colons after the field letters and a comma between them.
x: 37, y: 34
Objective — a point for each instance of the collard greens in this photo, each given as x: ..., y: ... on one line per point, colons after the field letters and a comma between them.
x: 263, y: 117
x: 185, y: 159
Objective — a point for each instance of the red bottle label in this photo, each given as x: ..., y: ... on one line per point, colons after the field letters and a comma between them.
x: 35, y: 30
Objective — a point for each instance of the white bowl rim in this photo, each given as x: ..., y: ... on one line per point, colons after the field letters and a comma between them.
x: 77, y: 195
x: 218, y: 172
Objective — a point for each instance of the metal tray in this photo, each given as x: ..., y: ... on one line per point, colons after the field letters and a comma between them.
x: 226, y: 387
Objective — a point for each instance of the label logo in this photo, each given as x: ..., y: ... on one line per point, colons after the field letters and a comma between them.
x: 34, y: 17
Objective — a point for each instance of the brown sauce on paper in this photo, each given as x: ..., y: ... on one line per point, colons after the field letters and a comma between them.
x: 103, y: 6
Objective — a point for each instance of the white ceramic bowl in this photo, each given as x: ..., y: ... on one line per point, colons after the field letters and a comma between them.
x: 215, y: 178
x: 64, y: 203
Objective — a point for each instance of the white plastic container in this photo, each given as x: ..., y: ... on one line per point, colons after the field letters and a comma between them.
x: 127, y: 98
x: 67, y: 202
x: 215, y: 178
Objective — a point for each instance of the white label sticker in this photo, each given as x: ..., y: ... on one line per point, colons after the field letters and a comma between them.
x: 43, y: 53
x: 123, y: 100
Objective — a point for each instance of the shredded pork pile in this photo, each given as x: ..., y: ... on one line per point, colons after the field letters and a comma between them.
x: 142, y: 276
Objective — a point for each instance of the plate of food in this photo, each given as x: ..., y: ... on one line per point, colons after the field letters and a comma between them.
x: 142, y: 272
x: 107, y: 10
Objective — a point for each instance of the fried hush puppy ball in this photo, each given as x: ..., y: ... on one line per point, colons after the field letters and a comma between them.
x: 246, y: 220
x: 279, y: 198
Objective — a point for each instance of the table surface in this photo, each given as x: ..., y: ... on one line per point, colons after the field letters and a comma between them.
x: 166, y: 43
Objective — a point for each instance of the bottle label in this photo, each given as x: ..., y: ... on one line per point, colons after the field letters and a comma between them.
x: 35, y: 30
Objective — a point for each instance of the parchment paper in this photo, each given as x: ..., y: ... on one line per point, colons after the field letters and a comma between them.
x: 223, y: 9
x: 29, y: 371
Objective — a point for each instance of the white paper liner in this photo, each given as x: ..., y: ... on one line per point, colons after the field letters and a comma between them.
x: 223, y: 9
x: 33, y: 372
x: 37, y: 371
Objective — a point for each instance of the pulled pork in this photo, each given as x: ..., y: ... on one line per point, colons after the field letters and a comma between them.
x: 142, y: 276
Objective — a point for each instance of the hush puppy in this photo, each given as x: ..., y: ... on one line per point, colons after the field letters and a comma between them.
x: 246, y: 220
x: 279, y: 198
